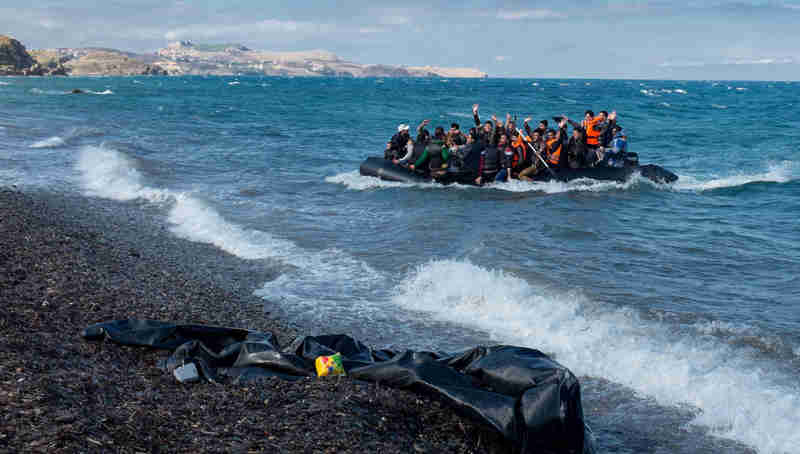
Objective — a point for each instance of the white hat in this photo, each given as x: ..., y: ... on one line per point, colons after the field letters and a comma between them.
x: 402, y: 127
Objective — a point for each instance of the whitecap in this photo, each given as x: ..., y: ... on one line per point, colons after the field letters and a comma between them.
x: 776, y: 173
x: 50, y: 142
x: 39, y: 91
x: 577, y: 185
x: 104, y: 92
x: 357, y: 182
x: 459, y: 114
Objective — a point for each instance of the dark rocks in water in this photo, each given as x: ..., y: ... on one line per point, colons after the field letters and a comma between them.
x: 76, y: 91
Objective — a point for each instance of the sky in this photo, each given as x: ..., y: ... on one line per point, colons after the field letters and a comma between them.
x: 669, y: 39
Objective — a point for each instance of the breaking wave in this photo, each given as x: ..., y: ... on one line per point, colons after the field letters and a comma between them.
x: 50, y: 142
x: 357, y: 182
x: 309, y: 276
x: 617, y: 344
x: 776, y: 173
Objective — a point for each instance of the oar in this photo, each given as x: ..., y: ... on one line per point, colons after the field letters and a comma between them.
x: 522, y: 137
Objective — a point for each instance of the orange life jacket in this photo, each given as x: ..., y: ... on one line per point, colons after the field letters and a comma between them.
x: 521, y: 149
x: 518, y: 141
x: 554, y: 154
x: 592, y: 135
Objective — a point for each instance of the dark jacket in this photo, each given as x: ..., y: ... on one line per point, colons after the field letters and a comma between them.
x: 397, y: 146
x: 491, y: 137
x: 577, y: 150
x: 490, y: 160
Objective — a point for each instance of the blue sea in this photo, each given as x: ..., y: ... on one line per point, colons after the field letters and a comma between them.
x: 678, y: 306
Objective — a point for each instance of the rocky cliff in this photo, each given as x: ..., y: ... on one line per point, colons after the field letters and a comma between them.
x: 16, y: 61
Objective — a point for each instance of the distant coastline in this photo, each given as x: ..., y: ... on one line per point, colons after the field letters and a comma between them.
x: 188, y: 58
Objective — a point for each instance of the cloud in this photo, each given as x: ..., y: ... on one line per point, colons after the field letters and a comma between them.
x: 267, y: 26
x: 394, y: 19
x: 730, y: 61
x: 50, y: 24
x: 534, y: 14
x: 760, y: 61
x: 502, y: 58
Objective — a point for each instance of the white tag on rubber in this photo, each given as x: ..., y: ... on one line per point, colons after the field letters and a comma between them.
x: 186, y: 373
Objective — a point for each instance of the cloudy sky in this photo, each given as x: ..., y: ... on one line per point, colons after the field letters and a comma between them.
x: 669, y: 39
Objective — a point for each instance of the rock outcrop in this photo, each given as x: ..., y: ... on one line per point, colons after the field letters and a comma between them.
x: 14, y: 59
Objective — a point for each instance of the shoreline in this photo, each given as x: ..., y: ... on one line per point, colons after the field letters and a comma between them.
x: 67, y: 262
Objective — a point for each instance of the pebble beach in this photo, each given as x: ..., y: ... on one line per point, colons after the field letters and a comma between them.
x: 67, y: 262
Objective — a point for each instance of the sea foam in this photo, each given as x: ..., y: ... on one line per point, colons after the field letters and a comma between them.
x: 776, y: 173
x: 734, y: 396
x: 50, y: 142
x: 310, y: 276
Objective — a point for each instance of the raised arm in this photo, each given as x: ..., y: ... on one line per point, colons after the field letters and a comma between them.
x: 527, y: 127
x: 576, y: 125
x: 422, y: 125
x: 475, y: 115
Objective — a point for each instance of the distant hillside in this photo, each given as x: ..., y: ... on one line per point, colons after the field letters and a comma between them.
x: 188, y: 58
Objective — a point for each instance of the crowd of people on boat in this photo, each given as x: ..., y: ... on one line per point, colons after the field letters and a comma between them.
x: 500, y: 151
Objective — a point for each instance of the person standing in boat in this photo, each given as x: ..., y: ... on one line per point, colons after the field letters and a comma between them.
x: 435, y: 155
x: 541, y: 129
x: 491, y: 160
x: 523, y: 158
x: 554, y: 145
x: 397, y: 144
x: 598, y: 129
x: 614, y: 155
x: 578, y: 154
x: 505, y: 155
x: 486, y: 131
x: 537, y: 145
x: 403, y: 162
x: 455, y: 132
x: 607, y: 128
x: 455, y: 161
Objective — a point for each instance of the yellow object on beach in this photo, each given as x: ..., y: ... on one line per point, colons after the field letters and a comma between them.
x: 329, y: 365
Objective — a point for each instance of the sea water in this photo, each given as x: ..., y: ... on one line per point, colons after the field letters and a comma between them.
x: 677, y: 305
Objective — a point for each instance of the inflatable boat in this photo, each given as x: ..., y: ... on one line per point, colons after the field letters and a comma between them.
x: 384, y: 169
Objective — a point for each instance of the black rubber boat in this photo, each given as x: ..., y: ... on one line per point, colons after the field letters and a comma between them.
x: 384, y: 169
